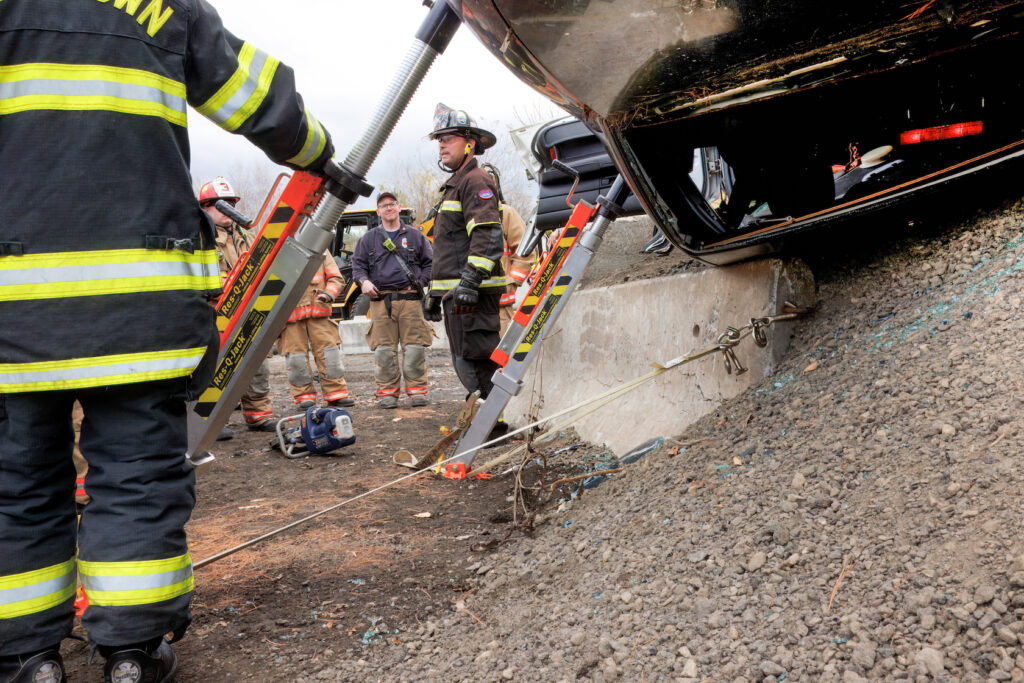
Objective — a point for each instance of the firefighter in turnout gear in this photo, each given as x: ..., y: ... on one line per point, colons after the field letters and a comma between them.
x: 468, y: 278
x: 310, y: 328
x: 517, y: 268
x: 94, y: 108
x: 232, y: 242
x: 391, y: 264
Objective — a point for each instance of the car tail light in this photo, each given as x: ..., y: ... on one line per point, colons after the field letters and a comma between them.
x: 953, y: 130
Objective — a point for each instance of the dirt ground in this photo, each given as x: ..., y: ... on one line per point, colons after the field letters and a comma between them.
x: 368, y: 571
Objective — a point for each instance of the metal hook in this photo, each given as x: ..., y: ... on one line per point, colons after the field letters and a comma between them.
x: 732, y: 362
x: 760, y: 334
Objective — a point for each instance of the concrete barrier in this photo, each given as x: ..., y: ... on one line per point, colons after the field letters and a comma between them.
x: 609, y: 335
x: 353, y: 335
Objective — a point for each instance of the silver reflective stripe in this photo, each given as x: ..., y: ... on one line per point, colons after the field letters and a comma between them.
x: 37, y: 590
x: 314, y: 148
x: 245, y: 90
x: 444, y: 285
x: 92, y: 88
x: 95, y: 371
x: 70, y: 273
x: 136, y: 582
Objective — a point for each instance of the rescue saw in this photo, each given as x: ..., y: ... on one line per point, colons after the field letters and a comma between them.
x: 318, y: 431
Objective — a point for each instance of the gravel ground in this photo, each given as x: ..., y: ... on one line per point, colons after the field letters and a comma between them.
x: 854, y: 517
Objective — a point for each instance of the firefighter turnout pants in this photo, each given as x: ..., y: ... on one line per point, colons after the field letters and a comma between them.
x: 505, y: 315
x: 405, y: 325
x: 473, y: 337
x: 321, y: 336
x: 256, y: 404
x: 132, y: 558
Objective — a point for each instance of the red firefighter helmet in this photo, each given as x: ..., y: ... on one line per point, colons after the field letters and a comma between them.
x: 216, y: 189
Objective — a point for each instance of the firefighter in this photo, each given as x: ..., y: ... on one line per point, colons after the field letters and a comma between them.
x: 123, y: 256
x: 232, y: 242
x: 81, y: 466
x: 517, y: 268
x: 468, y: 279
x: 380, y: 263
x: 311, y: 329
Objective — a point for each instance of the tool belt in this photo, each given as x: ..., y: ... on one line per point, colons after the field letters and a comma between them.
x: 388, y: 297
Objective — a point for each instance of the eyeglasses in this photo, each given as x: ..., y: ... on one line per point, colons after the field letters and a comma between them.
x: 389, y: 205
x: 208, y: 204
x: 445, y: 139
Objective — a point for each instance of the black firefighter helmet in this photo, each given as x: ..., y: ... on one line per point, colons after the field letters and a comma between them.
x: 448, y: 120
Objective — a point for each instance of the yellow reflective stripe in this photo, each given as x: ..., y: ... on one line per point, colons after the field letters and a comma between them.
x: 232, y: 85
x: 253, y: 102
x: 473, y: 224
x: 36, y: 591
x: 134, y: 567
x: 314, y: 145
x: 451, y: 205
x: 140, y: 597
x: 77, y: 373
x: 90, y: 87
x: 104, y: 257
x: 243, y: 92
x: 484, y: 264
x: 131, y: 285
x: 444, y: 285
x: 112, y: 584
x: 71, y: 274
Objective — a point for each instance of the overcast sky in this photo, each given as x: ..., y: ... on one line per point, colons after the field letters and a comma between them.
x: 344, y: 54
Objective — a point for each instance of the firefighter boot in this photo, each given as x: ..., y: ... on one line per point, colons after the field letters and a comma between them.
x: 264, y: 424
x: 141, y: 664
x: 39, y: 667
x: 342, y: 403
x: 499, y: 429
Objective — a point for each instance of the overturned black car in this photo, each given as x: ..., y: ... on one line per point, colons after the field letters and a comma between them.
x: 739, y: 123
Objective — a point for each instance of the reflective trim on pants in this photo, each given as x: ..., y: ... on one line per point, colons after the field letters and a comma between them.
x: 336, y: 395
x: 143, y: 491
x: 316, y: 334
x: 116, y: 584
x: 405, y: 327
x: 36, y: 591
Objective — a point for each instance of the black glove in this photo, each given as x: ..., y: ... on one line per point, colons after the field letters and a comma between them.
x: 467, y: 293
x: 432, y: 309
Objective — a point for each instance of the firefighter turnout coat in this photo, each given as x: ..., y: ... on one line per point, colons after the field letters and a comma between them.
x: 327, y: 279
x: 468, y: 231
x: 101, y: 231
x: 232, y: 244
x: 517, y: 268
